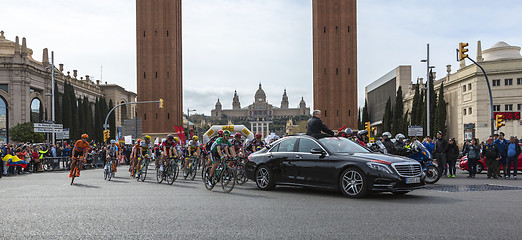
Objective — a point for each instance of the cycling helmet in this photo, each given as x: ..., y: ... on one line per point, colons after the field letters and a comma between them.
x: 85, y: 136
x: 176, y: 139
x: 399, y: 136
x: 170, y: 136
x: 387, y: 134
x: 226, y: 133
x: 348, y: 131
x: 195, y: 138
x: 220, y: 132
x: 258, y: 135
x: 113, y: 141
x: 147, y: 138
x: 138, y: 141
x: 237, y: 135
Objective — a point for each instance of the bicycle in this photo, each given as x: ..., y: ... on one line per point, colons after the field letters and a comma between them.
x: 191, y: 169
x: 77, y: 167
x: 169, y: 173
x: 108, y: 171
x: 224, y: 174
x: 143, y: 167
x: 239, y: 168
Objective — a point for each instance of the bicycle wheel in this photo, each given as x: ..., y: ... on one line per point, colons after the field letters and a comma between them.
x: 193, y: 170
x: 143, y: 172
x: 228, y: 180
x: 109, y: 172
x: 240, y: 174
x: 159, y: 175
x: 104, y: 174
x: 73, y: 175
x: 206, y: 180
x: 170, y: 175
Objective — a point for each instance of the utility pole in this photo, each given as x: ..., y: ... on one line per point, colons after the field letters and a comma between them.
x: 52, y: 96
x: 428, y: 67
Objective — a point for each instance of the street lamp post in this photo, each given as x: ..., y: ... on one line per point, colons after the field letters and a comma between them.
x: 428, y: 67
x: 188, y: 115
x: 52, y: 94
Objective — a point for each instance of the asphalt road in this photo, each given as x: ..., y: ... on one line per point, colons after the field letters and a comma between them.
x: 46, y: 206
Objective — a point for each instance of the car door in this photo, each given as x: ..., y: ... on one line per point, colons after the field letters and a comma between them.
x: 281, y: 160
x: 313, y: 169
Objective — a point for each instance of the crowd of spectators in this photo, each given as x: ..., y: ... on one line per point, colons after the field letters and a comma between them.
x: 35, y: 155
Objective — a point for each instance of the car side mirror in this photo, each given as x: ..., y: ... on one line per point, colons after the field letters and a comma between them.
x: 317, y: 151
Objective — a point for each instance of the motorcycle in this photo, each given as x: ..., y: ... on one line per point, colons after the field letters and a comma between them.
x: 377, y: 146
x: 420, y: 153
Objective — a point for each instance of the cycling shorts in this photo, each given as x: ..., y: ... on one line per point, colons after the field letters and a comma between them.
x: 215, y: 157
x: 78, y: 154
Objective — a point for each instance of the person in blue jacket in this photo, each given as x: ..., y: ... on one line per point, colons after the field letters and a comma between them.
x: 502, y: 143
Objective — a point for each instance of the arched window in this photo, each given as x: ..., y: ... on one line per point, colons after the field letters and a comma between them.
x: 36, y: 110
x: 3, y: 120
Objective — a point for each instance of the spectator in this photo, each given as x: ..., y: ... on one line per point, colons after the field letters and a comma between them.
x: 512, y: 152
x: 441, y: 149
x: 502, y: 143
x: 492, y: 154
x: 315, y: 127
x: 35, y: 158
x: 428, y: 143
x: 465, y: 147
x: 473, y: 154
x: 451, y: 157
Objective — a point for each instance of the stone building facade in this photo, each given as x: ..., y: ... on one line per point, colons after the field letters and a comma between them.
x: 25, y: 85
x: 260, y: 113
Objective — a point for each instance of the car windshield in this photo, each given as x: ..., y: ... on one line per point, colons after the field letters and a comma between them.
x: 342, y: 145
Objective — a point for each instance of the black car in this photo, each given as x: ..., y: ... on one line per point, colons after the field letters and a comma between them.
x: 333, y: 163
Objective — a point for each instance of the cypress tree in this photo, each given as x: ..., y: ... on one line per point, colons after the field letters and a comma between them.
x: 433, y: 104
x: 88, y: 126
x: 386, y: 119
x: 414, y: 108
x: 398, y: 110
x: 420, y: 108
x: 406, y: 121
x: 81, y: 117
x: 66, y: 107
x: 57, y: 105
x: 441, y: 111
x: 359, y: 119
x: 365, y: 115
x: 97, y: 121
x: 112, y: 121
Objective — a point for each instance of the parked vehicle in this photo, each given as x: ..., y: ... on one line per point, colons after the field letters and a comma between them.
x: 332, y: 163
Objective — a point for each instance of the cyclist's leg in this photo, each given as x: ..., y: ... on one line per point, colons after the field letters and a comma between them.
x: 73, y: 164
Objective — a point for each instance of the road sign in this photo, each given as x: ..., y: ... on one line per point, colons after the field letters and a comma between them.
x: 48, y: 130
x: 63, y: 135
x: 415, y: 131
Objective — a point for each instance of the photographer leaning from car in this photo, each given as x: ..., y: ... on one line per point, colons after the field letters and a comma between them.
x: 315, y: 127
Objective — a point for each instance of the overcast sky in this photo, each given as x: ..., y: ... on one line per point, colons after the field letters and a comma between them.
x: 236, y: 44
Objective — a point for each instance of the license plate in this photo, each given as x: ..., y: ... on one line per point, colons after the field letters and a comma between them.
x: 413, y: 180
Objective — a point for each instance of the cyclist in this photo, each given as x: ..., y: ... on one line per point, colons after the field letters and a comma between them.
x: 134, y: 157
x: 192, y: 150
x: 237, y: 143
x: 144, y: 150
x: 169, y: 149
x: 221, y: 149
x: 256, y: 144
x: 112, y: 153
x: 79, y: 153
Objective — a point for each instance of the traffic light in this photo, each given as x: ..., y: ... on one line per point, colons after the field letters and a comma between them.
x: 463, y: 51
x: 161, y: 103
x: 500, y: 121
x: 367, y: 127
x: 106, y: 135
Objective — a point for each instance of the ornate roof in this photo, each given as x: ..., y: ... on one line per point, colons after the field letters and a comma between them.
x: 260, y: 95
x: 501, y: 50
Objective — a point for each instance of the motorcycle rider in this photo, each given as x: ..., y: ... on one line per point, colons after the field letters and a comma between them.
x: 399, y: 145
x: 362, y: 138
x: 386, y: 141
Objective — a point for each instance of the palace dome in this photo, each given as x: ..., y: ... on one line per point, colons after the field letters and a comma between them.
x: 500, y: 51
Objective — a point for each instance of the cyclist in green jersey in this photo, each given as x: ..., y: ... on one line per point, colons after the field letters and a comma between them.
x: 220, y: 150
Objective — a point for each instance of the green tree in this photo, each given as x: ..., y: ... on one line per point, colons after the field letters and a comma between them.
x: 24, y: 132
x: 440, y: 120
x: 433, y: 104
x: 398, y: 110
x: 406, y: 121
x: 420, y: 109
x: 365, y: 115
x: 97, y: 122
x: 359, y: 119
x: 112, y: 121
x: 88, y: 119
x: 81, y: 116
x: 414, y: 107
x: 387, y: 118
x: 57, y: 105
x: 66, y: 107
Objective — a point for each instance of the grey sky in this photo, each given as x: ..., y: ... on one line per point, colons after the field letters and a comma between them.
x: 235, y: 44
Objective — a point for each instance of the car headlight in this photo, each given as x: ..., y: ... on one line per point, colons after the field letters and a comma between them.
x: 379, y: 167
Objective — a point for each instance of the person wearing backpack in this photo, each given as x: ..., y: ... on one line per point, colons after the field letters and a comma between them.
x: 492, y: 154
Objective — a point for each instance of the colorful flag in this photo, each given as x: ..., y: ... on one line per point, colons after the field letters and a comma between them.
x: 14, y: 161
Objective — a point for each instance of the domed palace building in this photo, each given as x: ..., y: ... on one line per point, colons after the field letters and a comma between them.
x: 260, y: 113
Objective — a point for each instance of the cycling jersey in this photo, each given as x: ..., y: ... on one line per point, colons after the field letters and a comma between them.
x: 144, y: 147
x: 220, y: 142
x: 237, y: 145
x: 112, y: 151
x: 80, y: 147
x: 193, y: 145
x: 168, y: 146
x: 255, y: 145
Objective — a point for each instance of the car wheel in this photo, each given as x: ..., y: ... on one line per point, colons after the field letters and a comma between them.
x: 353, y: 183
x: 480, y: 167
x: 264, y: 178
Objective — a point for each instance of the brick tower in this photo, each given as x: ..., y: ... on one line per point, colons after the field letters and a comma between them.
x: 335, y: 61
x: 158, y: 39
